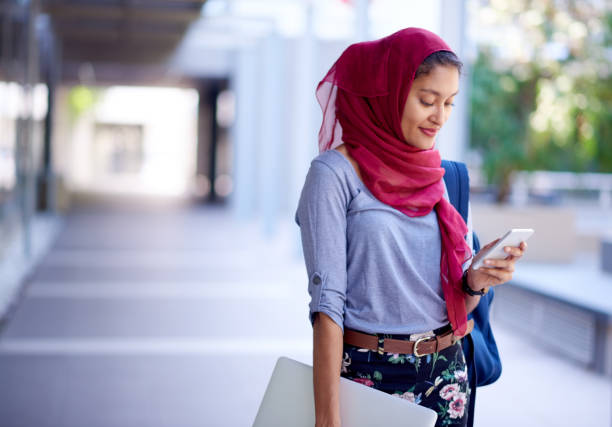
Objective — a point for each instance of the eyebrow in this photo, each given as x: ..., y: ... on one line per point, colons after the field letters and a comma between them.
x: 435, y: 92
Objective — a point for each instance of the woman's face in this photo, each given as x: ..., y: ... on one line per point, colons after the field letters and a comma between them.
x: 429, y: 105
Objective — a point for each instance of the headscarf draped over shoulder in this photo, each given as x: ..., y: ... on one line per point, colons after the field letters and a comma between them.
x: 362, y: 98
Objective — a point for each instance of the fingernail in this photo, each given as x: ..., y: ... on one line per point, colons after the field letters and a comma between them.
x: 488, y: 262
x: 507, y: 249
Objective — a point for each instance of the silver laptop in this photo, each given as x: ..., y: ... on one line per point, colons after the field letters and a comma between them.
x: 289, y: 401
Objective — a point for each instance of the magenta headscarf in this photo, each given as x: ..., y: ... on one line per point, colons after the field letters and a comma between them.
x: 362, y: 98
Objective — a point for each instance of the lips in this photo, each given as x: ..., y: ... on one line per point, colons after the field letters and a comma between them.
x: 429, y: 132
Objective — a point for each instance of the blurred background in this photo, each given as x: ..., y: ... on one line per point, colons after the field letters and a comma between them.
x: 152, y: 154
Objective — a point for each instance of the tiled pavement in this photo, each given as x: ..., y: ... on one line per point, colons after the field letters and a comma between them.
x: 151, y: 315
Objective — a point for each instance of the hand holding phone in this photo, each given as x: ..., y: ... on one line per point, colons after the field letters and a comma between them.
x: 513, y: 237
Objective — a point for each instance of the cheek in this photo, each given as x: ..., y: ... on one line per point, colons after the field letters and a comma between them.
x: 412, y: 115
x: 416, y: 120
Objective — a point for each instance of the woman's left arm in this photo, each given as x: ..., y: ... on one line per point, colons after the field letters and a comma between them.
x: 494, y: 272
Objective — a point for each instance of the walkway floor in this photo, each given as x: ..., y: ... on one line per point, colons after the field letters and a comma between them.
x: 151, y: 315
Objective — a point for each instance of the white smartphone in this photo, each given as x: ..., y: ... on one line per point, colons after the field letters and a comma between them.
x: 513, y: 237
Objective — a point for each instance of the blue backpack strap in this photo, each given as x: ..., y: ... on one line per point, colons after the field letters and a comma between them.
x: 487, y: 367
x: 458, y: 185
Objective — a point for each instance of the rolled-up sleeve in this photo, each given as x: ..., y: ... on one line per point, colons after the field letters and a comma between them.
x: 321, y: 215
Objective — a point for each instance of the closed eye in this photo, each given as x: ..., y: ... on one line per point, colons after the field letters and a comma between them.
x: 427, y: 104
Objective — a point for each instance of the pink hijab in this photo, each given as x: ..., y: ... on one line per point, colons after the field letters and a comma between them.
x: 362, y: 98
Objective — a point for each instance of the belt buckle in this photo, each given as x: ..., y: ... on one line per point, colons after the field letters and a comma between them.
x: 416, y: 343
x: 380, y: 344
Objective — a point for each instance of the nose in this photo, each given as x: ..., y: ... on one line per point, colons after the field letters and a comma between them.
x: 438, y: 116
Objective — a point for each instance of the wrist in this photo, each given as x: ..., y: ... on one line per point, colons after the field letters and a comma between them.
x: 468, y: 289
x: 328, y: 420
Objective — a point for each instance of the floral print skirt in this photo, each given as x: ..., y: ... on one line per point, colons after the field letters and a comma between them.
x: 438, y: 381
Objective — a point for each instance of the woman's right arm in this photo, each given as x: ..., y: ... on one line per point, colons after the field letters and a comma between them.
x: 327, y: 360
x: 321, y: 215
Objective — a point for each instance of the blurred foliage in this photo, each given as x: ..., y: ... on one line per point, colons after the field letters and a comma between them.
x: 81, y: 99
x: 501, y: 105
x: 543, y: 100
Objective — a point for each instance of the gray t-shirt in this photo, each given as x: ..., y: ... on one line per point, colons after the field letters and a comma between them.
x: 370, y: 267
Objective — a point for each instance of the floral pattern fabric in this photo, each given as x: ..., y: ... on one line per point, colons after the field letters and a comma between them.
x: 438, y: 381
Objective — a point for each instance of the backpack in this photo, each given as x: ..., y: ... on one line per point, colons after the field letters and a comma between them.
x: 482, y: 357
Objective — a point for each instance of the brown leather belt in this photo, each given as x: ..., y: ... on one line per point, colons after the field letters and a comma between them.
x: 422, y: 346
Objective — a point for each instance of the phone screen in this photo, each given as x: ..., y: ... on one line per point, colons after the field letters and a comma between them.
x: 513, y: 238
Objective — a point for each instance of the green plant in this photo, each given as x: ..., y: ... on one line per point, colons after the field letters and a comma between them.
x: 543, y: 110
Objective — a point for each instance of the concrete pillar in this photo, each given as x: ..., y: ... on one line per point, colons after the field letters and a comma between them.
x: 307, y: 117
x: 47, y: 176
x: 244, y: 84
x: 212, y: 95
x: 272, y: 118
x: 362, y: 20
x: 606, y: 254
x: 205, y: 124
x: 453, y: 139
x: 26, y: 167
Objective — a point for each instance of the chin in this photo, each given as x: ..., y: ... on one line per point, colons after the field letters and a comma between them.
x: 428, y: 143
x: 422, y: 143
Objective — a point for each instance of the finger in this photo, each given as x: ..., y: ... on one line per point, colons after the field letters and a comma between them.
x: 513, y: 251
x: 488, y: 274
x: 496, y: 276
x: 488, y: 245
x: 500, y: 264
x: 486, y: 278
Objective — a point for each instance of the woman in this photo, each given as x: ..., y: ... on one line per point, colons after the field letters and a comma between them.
x: 385, y: 251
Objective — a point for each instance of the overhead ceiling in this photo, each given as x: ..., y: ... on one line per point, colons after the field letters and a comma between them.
x: 120, y: 31
x: 142, y: 42
x: 122, y: 41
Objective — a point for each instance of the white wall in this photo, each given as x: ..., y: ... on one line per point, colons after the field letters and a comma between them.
x: 168, y: 117
x: 274, y: 84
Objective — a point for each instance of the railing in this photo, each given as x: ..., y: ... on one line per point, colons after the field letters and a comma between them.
x: 545, y: 181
